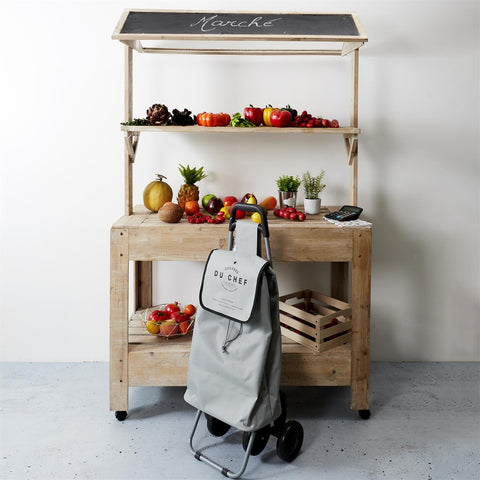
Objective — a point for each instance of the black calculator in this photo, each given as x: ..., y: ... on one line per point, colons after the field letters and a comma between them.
x: 347, y: 212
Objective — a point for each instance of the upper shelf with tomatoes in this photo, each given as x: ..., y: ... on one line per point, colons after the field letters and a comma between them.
x: 255, y: 119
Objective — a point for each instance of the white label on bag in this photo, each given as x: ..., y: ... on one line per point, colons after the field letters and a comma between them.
x: 230, y: 283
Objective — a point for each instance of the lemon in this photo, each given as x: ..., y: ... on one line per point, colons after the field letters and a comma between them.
x: 153, y: 328
x: 256, y: 217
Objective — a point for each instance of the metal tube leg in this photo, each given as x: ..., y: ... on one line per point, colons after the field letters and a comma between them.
x: 225, y: 471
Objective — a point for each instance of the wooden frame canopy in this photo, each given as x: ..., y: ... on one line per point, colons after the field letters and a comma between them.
x: 138, y: 25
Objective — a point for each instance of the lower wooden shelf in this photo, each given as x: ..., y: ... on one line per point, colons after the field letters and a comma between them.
x: 154, y: 361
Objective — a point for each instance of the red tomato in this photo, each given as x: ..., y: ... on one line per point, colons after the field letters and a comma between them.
x: 229, y: 201
x: 301, y: 216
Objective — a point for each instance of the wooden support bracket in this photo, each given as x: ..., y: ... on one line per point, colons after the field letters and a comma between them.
x: 351, y: 147
x: 350, y: 47
x: 131, y: 142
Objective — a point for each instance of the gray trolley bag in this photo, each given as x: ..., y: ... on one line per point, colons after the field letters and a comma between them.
x: 235, y: 358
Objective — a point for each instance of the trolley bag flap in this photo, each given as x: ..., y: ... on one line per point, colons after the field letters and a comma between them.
x: 230, y: 284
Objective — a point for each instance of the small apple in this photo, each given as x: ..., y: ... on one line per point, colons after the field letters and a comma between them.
x: 214, y: 205
x: 168, y: 327
x: 247, y: 196
x: 180, y: 317
x: 171, y: 308
x: 206, y: 199
x: 229, y: 201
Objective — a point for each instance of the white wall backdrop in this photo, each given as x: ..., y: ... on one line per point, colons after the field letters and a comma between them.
x: 62, y: 165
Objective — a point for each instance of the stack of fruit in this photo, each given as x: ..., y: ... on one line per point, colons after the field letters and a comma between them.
x: 169, y: 320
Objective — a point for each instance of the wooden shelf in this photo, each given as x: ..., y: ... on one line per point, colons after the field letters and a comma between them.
x: 155, y: 361
x: 348, y: 131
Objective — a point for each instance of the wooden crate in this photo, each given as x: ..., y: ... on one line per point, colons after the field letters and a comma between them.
x: 315, y: 320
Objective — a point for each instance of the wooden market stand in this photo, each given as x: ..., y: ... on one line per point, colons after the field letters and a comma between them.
x: 140, y: 359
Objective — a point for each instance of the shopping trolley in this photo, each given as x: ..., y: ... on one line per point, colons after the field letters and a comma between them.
x: 235, y: 358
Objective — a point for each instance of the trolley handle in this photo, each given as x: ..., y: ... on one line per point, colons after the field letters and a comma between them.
x: 248, y: 207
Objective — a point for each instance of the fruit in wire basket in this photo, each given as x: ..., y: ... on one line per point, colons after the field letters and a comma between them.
x: 168, y: 327
x: 172, y: 308
x: 189, y: 191
x: 153, y: 328
x: 190, y: 310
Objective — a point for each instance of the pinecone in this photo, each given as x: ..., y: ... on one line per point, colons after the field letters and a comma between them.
x: 158, y: 114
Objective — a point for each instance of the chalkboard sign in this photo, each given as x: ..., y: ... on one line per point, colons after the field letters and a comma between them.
x: 207, y: 25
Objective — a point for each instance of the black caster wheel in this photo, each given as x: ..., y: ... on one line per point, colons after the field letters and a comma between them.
x: 260, y: 441
x: 120, y: 415
x: 282, y: 418
x: 365, y: 414
x: 216, y: 427
x: 290, y: 441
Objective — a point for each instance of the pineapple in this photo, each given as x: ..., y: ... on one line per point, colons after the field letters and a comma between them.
x: 189, y: 191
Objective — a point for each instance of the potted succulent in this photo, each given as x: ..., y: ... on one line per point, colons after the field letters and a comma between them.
x: 312, y: 187
x: 287, y: 190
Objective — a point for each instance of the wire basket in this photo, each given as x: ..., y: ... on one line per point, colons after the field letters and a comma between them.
x: 169, y: 327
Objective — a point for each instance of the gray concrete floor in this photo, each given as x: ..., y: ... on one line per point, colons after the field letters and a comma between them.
x: 55, y: 424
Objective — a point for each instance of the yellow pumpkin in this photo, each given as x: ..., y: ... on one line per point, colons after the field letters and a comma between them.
x: 156, y: 193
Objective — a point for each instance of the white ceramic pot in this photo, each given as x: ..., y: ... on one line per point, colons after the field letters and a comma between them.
x: 312, y: 205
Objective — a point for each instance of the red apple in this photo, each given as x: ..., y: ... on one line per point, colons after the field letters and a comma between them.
x: 180, y: 317
x: 214, y: 205
x: 171, y: 308
x: 247, y: 196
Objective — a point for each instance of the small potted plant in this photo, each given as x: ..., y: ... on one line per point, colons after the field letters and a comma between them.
x: 312, y: 187
x: 287, y: 190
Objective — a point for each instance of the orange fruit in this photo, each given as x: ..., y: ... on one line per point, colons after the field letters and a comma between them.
x: 190, y: 309
x: 153, y: 328
x: 192, y: 207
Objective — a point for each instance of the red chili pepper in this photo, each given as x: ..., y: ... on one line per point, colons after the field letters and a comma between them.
x: 281, y: 118
x: 254, y: 114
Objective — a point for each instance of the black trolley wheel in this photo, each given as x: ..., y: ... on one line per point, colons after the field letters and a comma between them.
x: 260, y: 441
x: 365, y: 414
x: 216, y: 427
x: 290, y: 441
x: 121, y: 415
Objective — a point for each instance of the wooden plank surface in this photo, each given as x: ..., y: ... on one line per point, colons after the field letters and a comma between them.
x: 361, y: 285
x: 165, y: 363
x: 119, y: 320
x: 318, y: 240
x: 249, y: 131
